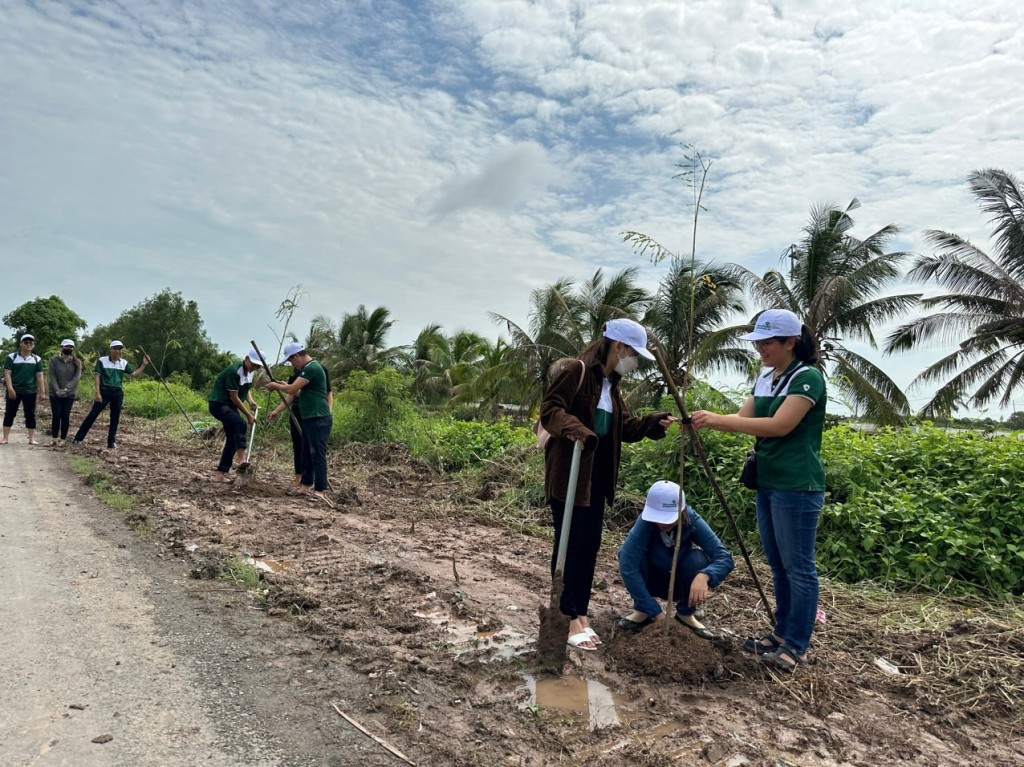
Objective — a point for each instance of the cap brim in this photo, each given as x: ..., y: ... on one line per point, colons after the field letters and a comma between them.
x: 644, y: 352
x: 756, y: 336
x: 658, y: 516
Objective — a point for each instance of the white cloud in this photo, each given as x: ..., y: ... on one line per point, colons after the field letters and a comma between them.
x: 442, y: 159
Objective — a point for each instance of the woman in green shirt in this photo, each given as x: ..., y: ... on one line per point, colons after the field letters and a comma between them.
x: 786, y: 412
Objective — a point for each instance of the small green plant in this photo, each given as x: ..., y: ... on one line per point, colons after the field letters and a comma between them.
x: 241, y: 573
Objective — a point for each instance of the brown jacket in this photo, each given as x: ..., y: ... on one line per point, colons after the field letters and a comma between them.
x: 564, y: 408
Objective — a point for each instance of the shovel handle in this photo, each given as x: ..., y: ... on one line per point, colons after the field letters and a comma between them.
x: 570, y: 500
x: 252, y: 434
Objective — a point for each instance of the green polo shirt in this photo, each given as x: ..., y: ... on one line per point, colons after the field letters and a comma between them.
x: 23, y: 371
x: 232, y: 378
x: 313, y: 396
x: 792, y: 462
x: 112, y: 373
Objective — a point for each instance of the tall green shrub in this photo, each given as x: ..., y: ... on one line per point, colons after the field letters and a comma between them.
x: 149, y: 399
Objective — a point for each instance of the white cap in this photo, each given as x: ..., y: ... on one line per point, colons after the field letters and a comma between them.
x: 629, y: 332
x: 774, y: 323
x: 288, y: 351
x: 114, y: 344
x: 29, y: 336
x: 254, y: 358
x: 662, y: 507
x: 67, y: 342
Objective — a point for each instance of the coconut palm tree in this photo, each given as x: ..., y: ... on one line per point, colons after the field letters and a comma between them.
x: 562, y: 320
x: 692, y: 302
x: 985, y: 305
x: 448, y: 365
x: 833, y: 282
x: 498, y: 380
x: 358, y: 342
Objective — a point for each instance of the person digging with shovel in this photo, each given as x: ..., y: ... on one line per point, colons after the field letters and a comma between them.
x: 232, y: 386
x: 310, y: 386
x: 645, y: 561
x: 584, y: 404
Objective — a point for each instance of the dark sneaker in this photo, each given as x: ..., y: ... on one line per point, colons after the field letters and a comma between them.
x: 111, y: 446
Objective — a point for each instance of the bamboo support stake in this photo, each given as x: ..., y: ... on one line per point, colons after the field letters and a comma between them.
x: 373, y: 737
x: 702, y: 458
x: 161, y: 379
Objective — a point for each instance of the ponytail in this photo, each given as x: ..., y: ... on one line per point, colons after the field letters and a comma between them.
x: 806, y: 347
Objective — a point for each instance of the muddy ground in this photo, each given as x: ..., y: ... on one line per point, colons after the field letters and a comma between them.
x: 436, y: 609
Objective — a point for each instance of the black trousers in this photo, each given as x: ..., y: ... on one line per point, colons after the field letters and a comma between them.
x: 115, y: 399
x: 581, y: 556
x: 315, y: 434
x: 298, y: 456
x: 61, y: 409
x: 234, y: 432
x: 11, y: 409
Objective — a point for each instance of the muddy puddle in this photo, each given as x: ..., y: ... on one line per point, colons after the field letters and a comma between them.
x: 465, y: 636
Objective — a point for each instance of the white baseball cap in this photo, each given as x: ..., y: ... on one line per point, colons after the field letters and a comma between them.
x: 662, y: 507
x: 774, y: 323
x: 254, y: 358
x: 629, y: 332
x: 116, y: 345
x: 67, y: 342
x: 28, y: 336
x: 288, y: 351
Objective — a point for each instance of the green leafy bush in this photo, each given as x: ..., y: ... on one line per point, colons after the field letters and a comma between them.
x: 459, y: 444
x: 373, y: 408
x: 924, y: 507
x: 915, y: 507
x: 149, y: 399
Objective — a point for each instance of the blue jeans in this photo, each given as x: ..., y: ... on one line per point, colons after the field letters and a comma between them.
x: 656, y: 580
x: 315, y: 433
x: 788, y: 523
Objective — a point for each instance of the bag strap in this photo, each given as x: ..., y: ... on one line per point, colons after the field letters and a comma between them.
x: 583, y: 374
x: 779, y: 387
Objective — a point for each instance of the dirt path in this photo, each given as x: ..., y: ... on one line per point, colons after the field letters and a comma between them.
x: 420, y: 620
x: 103, y: 639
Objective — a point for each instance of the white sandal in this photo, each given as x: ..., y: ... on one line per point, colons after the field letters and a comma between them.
x: 577, y: 641
x: 593, y: 636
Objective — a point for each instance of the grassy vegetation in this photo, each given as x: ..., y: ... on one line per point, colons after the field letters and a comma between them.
x: 110, y: 495
x: 241, y: 573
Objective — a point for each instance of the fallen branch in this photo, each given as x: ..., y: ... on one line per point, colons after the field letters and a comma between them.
x: 373, y: 737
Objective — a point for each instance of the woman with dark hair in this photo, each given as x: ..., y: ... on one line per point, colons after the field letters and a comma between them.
x: 583, y: 404
x: 65, y: 371
x: 786, y: 412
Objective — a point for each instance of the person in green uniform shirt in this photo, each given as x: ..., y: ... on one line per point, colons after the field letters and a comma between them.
x: 310, y: 386
x: 229, y: 400
x: 23, y: 376
x: 786, y: 412
x: 108, y: 387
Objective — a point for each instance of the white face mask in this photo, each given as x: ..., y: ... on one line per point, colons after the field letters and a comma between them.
x: 626, y: 365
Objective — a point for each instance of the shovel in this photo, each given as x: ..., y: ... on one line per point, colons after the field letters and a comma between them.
x: 554, y: 626
x: 246, y: 467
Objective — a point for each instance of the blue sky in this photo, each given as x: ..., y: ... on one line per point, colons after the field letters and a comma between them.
x: 445, y: 158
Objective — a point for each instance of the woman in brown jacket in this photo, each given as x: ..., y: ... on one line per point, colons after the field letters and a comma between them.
x: 583, y: 404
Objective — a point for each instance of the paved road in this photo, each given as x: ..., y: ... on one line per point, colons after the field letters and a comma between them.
x: 100, y: 640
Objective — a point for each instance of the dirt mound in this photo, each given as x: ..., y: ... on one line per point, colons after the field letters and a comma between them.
x: 675, y: 656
